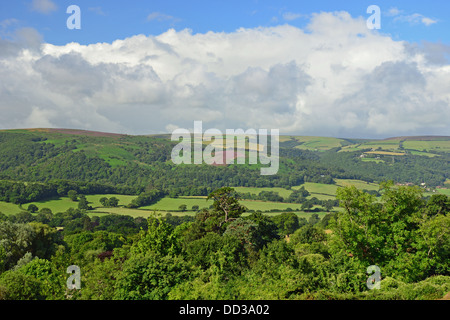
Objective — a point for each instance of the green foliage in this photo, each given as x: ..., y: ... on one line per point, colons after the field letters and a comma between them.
x: 226, y: 207
x: 52, y: 281
x: 83, y: 204
x: 150, y: 277
x: 286, y: 223
x: 222, y: 254
x: 15, y: 285
x: 159, y: 239
x: 15, y: 240
x: 73, y: 195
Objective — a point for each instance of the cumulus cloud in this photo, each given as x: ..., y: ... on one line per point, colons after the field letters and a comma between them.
x: 334, y: 78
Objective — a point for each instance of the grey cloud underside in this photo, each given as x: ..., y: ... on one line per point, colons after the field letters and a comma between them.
x: 325, y: 82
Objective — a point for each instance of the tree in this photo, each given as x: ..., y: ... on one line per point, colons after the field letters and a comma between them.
x: 438, y: 204
x: 20, y: 286
x: 226, y: 207
x: 150, y: 277
x: 314, y: 219
x: 72, y: 194
x: 45, y: 240
x: 104, y: 201
x: 328, y: 205
x: 15, y: 240
x: 286, y: 222
x: 182, y: 207
x: 307, y: 205
x: 45, y: 215
x: 307, y: 234
x: 378, y: 233
x: 83, y: 203
x: 195, y: 207
x: 159, y: 238
x: 267, y: 229
x: 32, y: 208
x: 113, y: 202
x: 433, y: 245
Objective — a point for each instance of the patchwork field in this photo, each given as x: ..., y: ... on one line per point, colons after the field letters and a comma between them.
x: 172, y: 205
x: 253, y: 190
x: 397, y: 146
x: 427, y: 145
x: 319, y: 143
x: 386, y: 153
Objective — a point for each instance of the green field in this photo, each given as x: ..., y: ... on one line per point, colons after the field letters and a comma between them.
x: 9, y: 208
x: 319, y: 188
x: 321, y: 191
x: 63, y: 203
x: 357, y: 183
x: 56, y: 204
x: 318, y: 143
x: 169, y: 204
x: 414, y: 147
x: 372, y: 160
x: 422, y: 145
x: 444, y: 191
x: 131, y: 212
x: 253, y: 190
x: 94, y: 200
x: 422, y: 153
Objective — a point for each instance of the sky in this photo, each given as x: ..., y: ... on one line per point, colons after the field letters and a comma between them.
x: 303, y: 67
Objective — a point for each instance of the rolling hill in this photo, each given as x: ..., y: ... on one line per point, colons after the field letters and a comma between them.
x: 140, y: 162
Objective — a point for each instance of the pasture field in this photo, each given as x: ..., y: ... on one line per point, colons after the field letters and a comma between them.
x: 386, y: 153
x: 321, y: 191
x: 372, y: 160
x: 131, y: 212
x: 390, y: 145
x: 422, y: 153
x: 9, y: 208
x: 168, y: 204
x: 444, y: 191
x: 94, y: 200
x: 172, y: 204
x: 350, y: 148
x: 423, y: 145
x: 60, y: 204
x: 63, y: 203
x: 319, y: 188
x: 267, y: 205
x: 319, y: 143
x: 253, y: 190
x: 359, y: 184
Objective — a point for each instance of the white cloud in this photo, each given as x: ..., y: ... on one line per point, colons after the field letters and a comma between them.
x: 415, y: 18
x: 334, y: 78
x: 428, y: 21
x: 43, y: 6
x: 394, y: 12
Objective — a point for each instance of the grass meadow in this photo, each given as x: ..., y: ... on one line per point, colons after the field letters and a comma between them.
x: 172, y: 205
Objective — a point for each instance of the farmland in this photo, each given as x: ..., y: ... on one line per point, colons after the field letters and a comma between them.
x: 280, y: 229
x: 317, y: 190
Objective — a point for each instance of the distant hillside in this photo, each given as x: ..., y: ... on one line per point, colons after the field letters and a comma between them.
x: 143, y: 161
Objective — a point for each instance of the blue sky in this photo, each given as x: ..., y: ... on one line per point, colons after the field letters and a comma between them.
x: 303, y: 67
x: 108, y: 20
